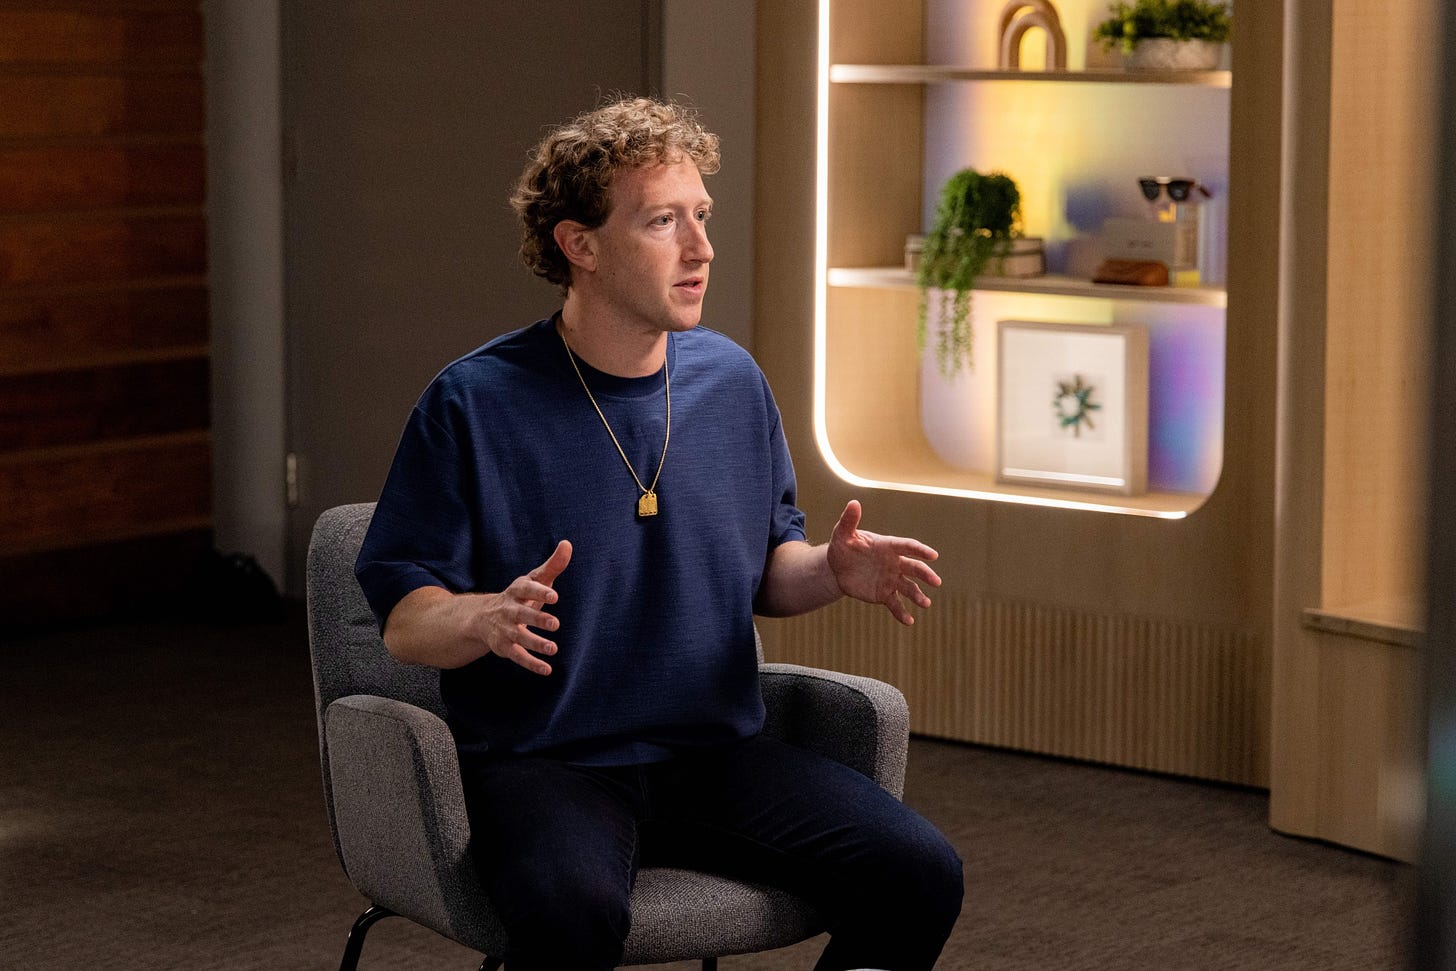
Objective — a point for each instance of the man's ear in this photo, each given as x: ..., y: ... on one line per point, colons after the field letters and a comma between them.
x: 577, y: 243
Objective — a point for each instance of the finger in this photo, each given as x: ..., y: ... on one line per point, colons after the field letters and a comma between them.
x: 527, y: 640
x: 528, y: 616
x: 915, y: 548
x: 519, y: 655
x: 554, y: 566
x: 919, y: 570
x: 898, y: 611
x: 529, y: 591
x: 911, y: 591
x: 848, y: 520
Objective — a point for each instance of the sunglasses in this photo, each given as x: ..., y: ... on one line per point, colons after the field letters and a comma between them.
x: 1178, y: 189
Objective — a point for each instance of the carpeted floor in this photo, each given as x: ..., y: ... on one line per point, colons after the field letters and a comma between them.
x: 160, y: 809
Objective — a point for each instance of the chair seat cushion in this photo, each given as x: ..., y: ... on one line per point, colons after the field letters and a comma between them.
x: 684, y: 914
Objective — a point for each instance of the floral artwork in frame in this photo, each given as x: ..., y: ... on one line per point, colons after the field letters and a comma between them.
x: 1073, y: 406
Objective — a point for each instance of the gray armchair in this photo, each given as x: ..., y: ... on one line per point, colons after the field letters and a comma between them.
x: 395, y: 807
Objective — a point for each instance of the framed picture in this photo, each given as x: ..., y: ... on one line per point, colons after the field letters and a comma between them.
x: 1072, y: 405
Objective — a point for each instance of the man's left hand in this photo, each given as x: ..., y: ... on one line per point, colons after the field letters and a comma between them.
x: 880, y: 569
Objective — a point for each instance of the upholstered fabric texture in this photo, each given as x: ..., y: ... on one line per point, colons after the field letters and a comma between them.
x: 392, y: 780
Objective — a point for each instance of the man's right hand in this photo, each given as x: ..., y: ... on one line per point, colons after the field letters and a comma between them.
x: 433, y: 626
x: 506, y: 619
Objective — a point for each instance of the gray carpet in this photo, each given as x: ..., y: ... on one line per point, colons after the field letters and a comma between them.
x: 160, y: 809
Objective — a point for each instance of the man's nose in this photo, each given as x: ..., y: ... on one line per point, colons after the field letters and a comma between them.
x: 698, y: 249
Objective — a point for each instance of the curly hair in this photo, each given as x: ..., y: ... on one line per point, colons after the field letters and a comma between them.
x: 569, y: 175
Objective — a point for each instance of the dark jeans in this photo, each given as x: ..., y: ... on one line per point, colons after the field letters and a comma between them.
x: 558, y: 847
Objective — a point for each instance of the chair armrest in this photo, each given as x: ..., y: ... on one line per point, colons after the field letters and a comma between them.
x: 856, y: 720
x: 400, y: 814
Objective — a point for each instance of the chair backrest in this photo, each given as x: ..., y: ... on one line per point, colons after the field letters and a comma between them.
x: 349, y: 657
x: 345, y: 648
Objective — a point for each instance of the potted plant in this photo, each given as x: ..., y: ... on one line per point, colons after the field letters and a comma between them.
x: 1167, y: 34
x: 976, y: 219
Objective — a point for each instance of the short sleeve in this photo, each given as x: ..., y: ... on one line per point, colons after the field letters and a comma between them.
x: 420, y: 535
x: 788, y: 519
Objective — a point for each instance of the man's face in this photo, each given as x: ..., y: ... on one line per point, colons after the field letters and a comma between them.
x: 653, y: 250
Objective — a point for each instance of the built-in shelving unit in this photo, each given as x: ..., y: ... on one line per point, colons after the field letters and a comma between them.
x: 881, y: 148
x: 1109, y: 629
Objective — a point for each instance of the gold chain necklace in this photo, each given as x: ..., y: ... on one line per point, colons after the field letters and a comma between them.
x: 647, y: 504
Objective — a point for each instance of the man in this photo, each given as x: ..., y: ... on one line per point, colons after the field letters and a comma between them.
x: 581, y: 520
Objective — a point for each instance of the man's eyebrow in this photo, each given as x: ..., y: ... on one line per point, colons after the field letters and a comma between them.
x: 669, y: 204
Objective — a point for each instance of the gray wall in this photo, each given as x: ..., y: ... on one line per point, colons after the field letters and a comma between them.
x: 383, y: 111
x: 708, y: 62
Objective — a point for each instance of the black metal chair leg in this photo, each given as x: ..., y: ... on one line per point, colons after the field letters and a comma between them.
x: 491, y: 964
x: 355, y: 944
x: 710, y: 964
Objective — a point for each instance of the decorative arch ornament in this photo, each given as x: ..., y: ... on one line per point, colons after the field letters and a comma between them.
x: 1020, y: 16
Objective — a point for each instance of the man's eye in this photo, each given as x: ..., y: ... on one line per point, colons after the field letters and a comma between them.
x: 662, y: 220
x: 704, y: 215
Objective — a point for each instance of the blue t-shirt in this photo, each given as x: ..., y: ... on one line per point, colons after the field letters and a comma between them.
x: 504, y: 455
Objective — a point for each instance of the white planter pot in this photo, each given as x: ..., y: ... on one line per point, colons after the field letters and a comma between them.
x: 958, y: 414
x: 1165, y: 54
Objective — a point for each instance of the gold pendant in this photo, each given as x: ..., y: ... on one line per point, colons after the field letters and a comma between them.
x: 647, y: 505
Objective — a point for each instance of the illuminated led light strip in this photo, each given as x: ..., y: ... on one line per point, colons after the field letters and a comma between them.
x: 821, y: 252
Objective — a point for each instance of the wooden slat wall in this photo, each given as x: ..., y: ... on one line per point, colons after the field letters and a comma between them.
x: 104, y: 445
x: 1143, y: 692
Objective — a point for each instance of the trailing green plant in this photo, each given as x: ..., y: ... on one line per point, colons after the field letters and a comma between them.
x: 1139, y: 20
x: 975, y: 220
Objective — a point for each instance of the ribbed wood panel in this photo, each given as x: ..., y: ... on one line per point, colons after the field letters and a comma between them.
x: 104, y: 412
x: 1144, y: 693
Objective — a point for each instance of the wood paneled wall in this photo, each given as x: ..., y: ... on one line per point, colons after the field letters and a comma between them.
x: 104, y: 444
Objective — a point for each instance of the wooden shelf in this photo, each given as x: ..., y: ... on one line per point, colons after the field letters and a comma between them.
x: 898, y: 278
x: 914, y: 468
x: 1384, y: 622
x: 940, y: 73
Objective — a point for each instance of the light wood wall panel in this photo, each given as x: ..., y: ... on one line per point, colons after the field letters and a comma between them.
x: 104, y: 441
x: 1378, y: 332
x: 1358, y: 322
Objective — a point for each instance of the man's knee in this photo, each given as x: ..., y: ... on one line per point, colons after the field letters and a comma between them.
x: 902, y: 904
x: 942, y: 881
x: 930, y: 871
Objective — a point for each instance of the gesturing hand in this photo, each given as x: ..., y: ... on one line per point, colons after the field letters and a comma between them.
x: 880, y: 569
x: 506, y: 618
